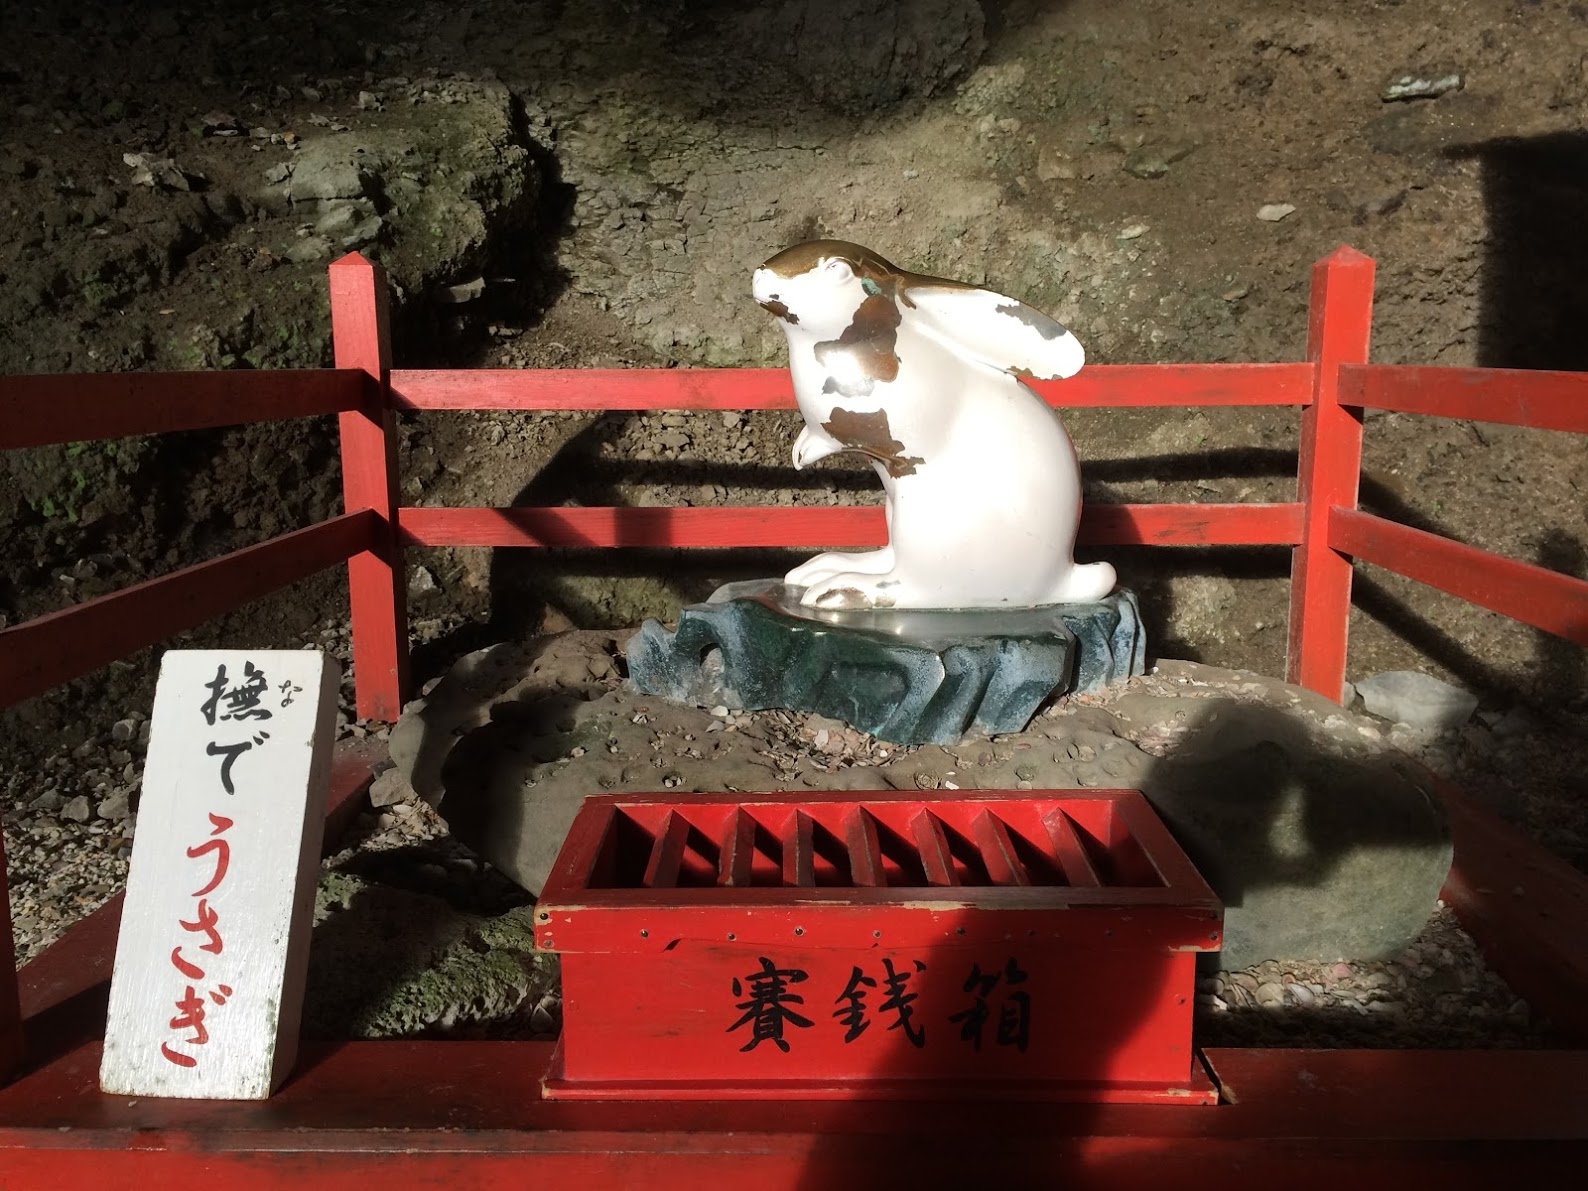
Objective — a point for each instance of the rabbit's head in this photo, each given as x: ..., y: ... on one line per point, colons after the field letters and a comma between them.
x: 818, y: 287
x: 852, y: 303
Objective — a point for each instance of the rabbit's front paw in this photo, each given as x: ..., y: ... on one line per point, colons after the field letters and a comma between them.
x: 851, y: 589
x: 813, y: 445
x: 835, y: 562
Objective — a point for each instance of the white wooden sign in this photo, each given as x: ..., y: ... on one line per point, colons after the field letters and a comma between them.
x: 207, y: 990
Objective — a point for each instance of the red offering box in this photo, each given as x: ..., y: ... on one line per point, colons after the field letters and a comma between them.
x: 1032, y: 945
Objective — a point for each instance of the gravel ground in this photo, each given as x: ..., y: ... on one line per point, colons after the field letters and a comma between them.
x: 1437, y: 993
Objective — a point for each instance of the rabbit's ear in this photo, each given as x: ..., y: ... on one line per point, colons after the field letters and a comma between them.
x: 994, y: 330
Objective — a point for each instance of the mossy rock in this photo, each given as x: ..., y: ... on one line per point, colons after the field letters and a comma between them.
x: 389, y: 962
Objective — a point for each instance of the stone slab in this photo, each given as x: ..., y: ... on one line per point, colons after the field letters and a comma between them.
x: 1418, y: 700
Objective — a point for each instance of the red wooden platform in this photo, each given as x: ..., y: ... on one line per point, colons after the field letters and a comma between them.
x: 469, y: 1114
x: 472, y: 1113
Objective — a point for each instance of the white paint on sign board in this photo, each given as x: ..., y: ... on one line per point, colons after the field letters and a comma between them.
x: 207, y: 990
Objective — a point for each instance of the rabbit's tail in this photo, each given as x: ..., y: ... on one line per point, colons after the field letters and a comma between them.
x: 1086, y: 584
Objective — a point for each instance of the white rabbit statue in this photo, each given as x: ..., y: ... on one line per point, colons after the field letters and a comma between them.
x: 922, y: 375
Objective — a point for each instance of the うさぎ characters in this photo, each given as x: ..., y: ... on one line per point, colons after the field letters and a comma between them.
x: 922, y: 375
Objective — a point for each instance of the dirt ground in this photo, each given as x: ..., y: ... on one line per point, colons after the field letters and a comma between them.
x: 590, y: 185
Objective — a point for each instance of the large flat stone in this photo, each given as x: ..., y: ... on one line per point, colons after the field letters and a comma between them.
x: 908, y: 676
x: 1315, y: 857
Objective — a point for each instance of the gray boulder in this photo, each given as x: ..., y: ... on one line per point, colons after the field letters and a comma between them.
x: 1315, y: 856
x: 1417, y: 700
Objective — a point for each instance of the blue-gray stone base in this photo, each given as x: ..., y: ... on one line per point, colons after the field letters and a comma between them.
x: 907, y: 676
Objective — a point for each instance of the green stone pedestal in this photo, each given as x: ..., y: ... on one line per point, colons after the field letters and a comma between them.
x: 912, y: 677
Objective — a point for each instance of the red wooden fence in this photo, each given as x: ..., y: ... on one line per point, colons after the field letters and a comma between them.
x: 1323, y: 525
x: 360, y: 329
x: 1330, y: 465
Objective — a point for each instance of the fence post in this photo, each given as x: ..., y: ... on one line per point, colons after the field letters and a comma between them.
x: 1340, y: 320
x: 377, y: 580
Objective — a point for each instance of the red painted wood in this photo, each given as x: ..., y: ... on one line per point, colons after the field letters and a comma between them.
x: 48, y: 650
x: 83, y: 956
x: 77, y: 963
x: 1170, y: 865
x: 1512, y: 396
x: 661, y: 871
x: 708, y: 527
x: 588, y: 865
x: 718, y: 528
x: 377, y: 581
x: 1069, y: 851
x: 1526, y: 908
x: 783, y: 1164
x: 1191, y: 525
x: 738, y: 851
x: 1433, y: 1094
x: 926, y: 829
x: 799, y: 854
x: 11, y: 1041
x: 1120, y: 386
x: 1379, y: 1108
x: 1330, y: 469
x: 446, y: 1114
x: 1117, y: 385
x: 352, y: 771
x: 35, y: 410
x: 408, y: 1096
x: 794, y: 861
x: 998, y: 852
x: 1542, y: 598
x: 1195, y: 1091
x: 596, y: 389
x: 770, y: 896
x: 669, y: 1029
x: 865, y: 854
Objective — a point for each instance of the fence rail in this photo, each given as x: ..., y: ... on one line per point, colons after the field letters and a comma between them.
x: 1107, y: 385
x: 37, y: 411
x: 1510, y: 396
x: 863, y: 526
x: 1323, y: 526
x: 1534, y: 595
x: 48, y: 650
